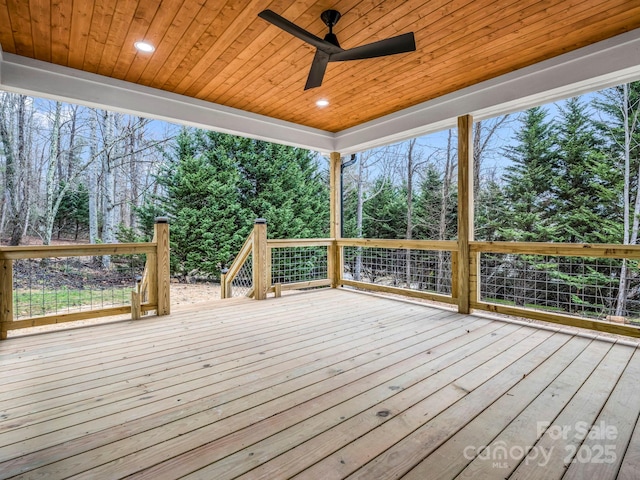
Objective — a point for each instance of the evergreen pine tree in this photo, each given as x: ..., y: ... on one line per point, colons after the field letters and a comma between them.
x: 428, y: 203
x: 584, y: 175
x: 208, y: 221
x: 529, y: 180
x: 490, y: 206
x: 216, y: 185
x: 385, y: 214
x: 282, y: 185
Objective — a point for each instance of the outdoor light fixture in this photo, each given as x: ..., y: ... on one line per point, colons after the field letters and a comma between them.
x: 322, y: 103
x: 144, y: 47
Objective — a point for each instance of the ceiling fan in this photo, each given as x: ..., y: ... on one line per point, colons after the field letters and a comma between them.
x: 329, y: 50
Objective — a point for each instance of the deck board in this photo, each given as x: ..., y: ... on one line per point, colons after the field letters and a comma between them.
x: 513, y: 418
x: 328, y: 384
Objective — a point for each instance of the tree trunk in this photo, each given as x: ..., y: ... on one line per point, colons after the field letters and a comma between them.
x: 477, y: 156
x: 108, y: 233
x: 409, y: 232
x: 133, y: 175
x: 51, y: 180
x: 20, y: 194
x: 444, y: 207
x: 629, y: 237
x: 93, y: 180
x: 357, y: 271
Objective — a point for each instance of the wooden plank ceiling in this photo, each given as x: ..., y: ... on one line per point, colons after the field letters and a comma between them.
x: 222, y: 52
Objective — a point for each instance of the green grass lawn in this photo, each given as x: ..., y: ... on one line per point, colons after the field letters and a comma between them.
x: 37, y: 302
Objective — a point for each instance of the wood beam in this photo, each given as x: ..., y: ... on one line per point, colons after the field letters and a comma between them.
x: 260, y: 263
x: 465, y: 210
x: 163, y: 284
x: 334, y: 264
x: 335, y: 201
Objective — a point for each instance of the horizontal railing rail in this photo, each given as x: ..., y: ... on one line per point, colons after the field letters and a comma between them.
x: 602, y: 250
x: 300, y: 242
x: 42, y: 279
x: 54, y: 251
x: 436, y: 245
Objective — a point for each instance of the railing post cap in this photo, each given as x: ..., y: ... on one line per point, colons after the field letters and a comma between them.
x: 162, y: 219
x: 260, y: 221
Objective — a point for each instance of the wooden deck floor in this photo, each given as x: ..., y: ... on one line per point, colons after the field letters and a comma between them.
x: 323, y: 385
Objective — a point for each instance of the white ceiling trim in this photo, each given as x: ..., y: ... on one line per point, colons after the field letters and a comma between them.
x: 41, y: 79
x: 597, y: 66
x: 604, y: 64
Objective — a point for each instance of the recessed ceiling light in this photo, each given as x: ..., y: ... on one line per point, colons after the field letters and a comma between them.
x: 144, y: 47
x: 322, y: 103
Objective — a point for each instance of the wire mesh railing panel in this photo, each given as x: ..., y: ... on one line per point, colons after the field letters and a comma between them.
x: 421, y: 270
x: 579, y: 286
x: 55, y: 286
x: 243, y: 282
x: 298, y: 264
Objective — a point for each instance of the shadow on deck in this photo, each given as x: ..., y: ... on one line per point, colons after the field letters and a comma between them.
x: 327, y: 384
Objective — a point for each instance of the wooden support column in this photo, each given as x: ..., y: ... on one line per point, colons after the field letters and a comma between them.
x: 260, y: 263
x: 334, y: 264
x: 465, y: 210
x: 163, y: 282
x: 335, y: 215
x: 6, y: 297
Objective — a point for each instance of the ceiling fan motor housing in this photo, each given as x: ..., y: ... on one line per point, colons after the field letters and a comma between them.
x: 330, y: 18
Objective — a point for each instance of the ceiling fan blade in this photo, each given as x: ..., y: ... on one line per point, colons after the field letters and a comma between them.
x: 318, y: 67
x: 298, y: 32
x: 401, y: 44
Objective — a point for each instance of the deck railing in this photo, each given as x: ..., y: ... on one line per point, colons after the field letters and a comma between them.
x: 297, y: 264
x: 50, y: 303
x: 413, y: 268
x: 271, y: 266
x: 570, y: 284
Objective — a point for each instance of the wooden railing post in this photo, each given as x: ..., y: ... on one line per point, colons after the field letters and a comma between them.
x: 136, y: 301
x: 454, y: 275
x: 260, y: 262
x: 163, y: 282
x: 268, y: 267
x: 6, y: 297
x: 334, y: 264
x: 465, y: 210
x: 223, y: 283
